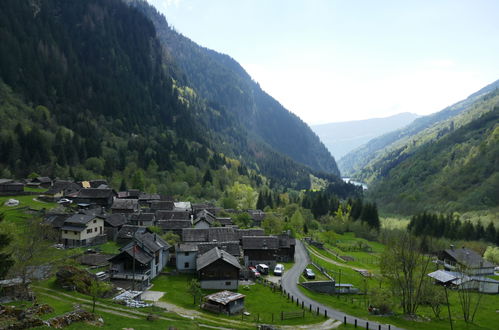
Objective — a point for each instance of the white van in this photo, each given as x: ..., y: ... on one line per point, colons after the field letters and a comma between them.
x: 263, y: 269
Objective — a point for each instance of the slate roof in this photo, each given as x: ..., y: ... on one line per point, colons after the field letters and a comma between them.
x: 80, y: 219
x: 222, y: 234
x: 95, y: 193
x: 148, y: 197
x: 225, y: 221
x: 219, y: 234
x: 231, y: 247
x: 213, y: 255
x: 116, y: 219
x: 63, y: 186
x: 42, y: 179
x: 143, y: 216
x: 125, y: 204
x: 97, y: 183
x: 128, y: 231
x: 55, y: 220
x: 152, y: 242
x: 177, y: 215
x: 162, y: 205
x: 72, y: 228
x: 194, y: 235
x: 260, y: 243
x: 224, y: 297
x: 468, y: 258
x: 186, y: 247
x: 167, y: 225
x: 249, y: 232
x: 5, y: 181
x: 136, y: 252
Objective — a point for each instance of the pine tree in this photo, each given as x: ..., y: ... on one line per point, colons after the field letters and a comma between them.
x: 490, y: 233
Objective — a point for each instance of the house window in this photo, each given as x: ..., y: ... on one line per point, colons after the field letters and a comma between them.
x: 186, y: 265
x: 95, y: 229
x: 95, y: 221
x: 65, y: 232
x: 227, y: 283
x: 89, y: 231
x: 186, y: 253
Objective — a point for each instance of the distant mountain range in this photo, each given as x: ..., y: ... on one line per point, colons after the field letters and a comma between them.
x: 447, y: 161
x: 343, y: 137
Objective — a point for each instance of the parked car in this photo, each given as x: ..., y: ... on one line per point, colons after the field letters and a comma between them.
x: 64, y: 201
x: 279, y: 270
x: 263, y: 269
x: 254, y: 272
x: 309, y: 273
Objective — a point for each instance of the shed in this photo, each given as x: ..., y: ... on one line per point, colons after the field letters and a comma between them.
x: 226, y: 302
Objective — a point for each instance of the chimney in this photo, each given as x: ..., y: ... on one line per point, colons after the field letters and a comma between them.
x: 452, y: 247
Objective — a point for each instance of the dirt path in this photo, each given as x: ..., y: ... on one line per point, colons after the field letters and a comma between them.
x: 104, y: 310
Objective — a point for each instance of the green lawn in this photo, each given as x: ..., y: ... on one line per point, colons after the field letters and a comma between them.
x: 260, y: 301
x: 487, y: 316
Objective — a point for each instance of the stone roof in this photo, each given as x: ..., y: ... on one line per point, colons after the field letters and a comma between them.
x: 55, y: 220
x: 177, y: 215
x: 162, y: 205
x: 80, y: 219
x: 213, y: 255
x: 219, y: 234
x: 194, y: 235
x: 231, y: 247
x: 128, y: 231
x: 260, y: 243
x: 95, y: 193
x: 224, y: 297
x: 468, y: 258
x: 186, y: 247
x: 116, y: 219
x: 167, y: 225
x: 142, y: 216
x: 249, y: 232
x: 63, y: 186
x: 125, y: 204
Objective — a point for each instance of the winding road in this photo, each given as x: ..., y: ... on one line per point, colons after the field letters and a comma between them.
x: 290, y: 284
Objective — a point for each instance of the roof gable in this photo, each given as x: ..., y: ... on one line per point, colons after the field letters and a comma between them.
x: 214, y: 255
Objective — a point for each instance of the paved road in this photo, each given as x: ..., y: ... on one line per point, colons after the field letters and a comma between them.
x: 289, y: 283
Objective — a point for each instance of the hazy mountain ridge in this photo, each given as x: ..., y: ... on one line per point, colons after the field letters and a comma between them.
x: 343, y: 137
x: 364, y: 162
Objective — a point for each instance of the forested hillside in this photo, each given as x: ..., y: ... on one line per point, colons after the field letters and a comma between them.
x: 225, y: 84
x: 87, y: 90
x: 459, y: 172
x: 367, y: 162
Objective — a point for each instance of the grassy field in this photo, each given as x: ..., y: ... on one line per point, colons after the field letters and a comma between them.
x: 260, y: 301
x: 115, y: 316
x: 487, y: 316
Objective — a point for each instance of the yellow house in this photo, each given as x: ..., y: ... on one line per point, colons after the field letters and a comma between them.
x: 82, y: 230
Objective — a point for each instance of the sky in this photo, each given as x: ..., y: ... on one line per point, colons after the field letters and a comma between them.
x: 340, y: 60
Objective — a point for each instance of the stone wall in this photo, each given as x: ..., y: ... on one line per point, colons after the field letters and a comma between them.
x: 320, y: 286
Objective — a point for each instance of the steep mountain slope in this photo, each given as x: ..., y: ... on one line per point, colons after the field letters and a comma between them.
x: 87, y: 90
x: 458, y: 172
x: 341, y: 138
x: 369, y: 161
x: 226, y: 85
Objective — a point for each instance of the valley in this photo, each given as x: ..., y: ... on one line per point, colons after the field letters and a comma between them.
x: 148, y: 182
